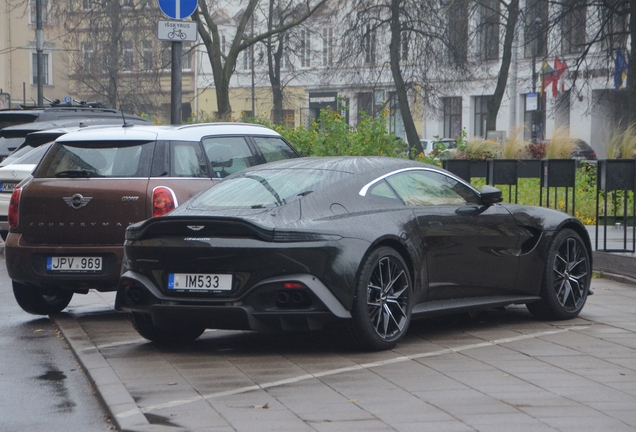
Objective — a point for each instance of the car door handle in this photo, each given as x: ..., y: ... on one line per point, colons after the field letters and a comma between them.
x: 434, y: 223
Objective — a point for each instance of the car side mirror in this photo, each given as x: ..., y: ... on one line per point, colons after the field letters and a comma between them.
x: 490, y: 195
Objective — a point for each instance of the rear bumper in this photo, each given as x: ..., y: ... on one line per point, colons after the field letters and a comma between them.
x: 26, y: 263
x: 266, y: 306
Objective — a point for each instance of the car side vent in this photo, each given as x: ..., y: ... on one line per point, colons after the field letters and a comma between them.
x: 533, y: 236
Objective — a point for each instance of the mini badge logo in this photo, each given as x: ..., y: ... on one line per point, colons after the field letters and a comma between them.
x: 195, y: 227
x: 77, y: 201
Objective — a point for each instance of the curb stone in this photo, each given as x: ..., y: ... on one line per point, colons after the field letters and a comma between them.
x: 105, y: 381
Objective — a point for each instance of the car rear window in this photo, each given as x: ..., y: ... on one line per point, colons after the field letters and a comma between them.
x: 97, y: 159
x: 266, y: 188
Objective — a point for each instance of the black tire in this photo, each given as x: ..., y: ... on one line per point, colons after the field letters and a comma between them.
x: 566, y: 279
x: 382, y: 307
x: 146, y: 328
x: 41, y: 301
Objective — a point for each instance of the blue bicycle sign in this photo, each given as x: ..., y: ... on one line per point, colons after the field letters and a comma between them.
x: 178, y: 9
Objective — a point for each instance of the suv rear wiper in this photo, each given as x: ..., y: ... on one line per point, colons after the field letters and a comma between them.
x: 77, y: 173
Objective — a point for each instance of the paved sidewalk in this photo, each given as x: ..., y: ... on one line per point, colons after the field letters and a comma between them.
x: 499, y: 371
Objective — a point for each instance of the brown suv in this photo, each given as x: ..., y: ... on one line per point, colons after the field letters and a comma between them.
x: 67, y: 222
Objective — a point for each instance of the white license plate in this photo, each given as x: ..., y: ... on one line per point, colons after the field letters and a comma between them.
x: 74, y: 264
x: 7, y: 187
x: 198, y: 281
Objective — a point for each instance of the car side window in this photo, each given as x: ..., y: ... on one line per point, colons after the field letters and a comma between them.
x: 274, y: 149
x: 383, y: 191
x: 429, y: 188
x: 228, y: 155
x: 187, y: 160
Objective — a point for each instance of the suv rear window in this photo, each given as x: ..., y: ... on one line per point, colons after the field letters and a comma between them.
x: 97, y: 159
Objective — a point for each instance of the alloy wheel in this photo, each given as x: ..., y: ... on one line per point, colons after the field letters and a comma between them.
x: 387, y: 298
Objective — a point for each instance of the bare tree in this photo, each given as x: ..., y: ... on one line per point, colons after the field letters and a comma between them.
x: 420, y: 45
x: 510, y: 15
x: 224, y: 65
x: 117, y: 57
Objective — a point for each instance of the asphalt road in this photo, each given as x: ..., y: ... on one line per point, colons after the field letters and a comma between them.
x: 42, y: 387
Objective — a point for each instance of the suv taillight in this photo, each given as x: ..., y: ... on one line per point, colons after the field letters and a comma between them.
x: 14, y: 207
x: 163, y: 201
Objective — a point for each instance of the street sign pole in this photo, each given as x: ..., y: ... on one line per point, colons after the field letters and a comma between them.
x: 176, y: 9
x: 175, y: 92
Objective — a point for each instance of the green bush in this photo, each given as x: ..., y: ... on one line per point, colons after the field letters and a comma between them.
x: 330, y: 135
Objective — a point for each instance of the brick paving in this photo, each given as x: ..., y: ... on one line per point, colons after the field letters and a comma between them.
x: 495, y: 371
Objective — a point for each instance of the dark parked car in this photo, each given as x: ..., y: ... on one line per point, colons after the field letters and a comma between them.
x: 67, y: 222
x: 364, y: 242
x: 583, y: 151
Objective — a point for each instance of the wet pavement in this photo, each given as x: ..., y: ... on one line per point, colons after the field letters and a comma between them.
x: 495, y: 371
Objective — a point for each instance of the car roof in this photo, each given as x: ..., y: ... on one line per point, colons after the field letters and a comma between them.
x: 371, y: 165
x: 153, y: 132
x: 22, y: 130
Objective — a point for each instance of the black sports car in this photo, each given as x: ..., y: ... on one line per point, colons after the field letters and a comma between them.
x: 367, y: 243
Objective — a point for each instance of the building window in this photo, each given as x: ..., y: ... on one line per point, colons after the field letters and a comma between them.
x: 223, y: 44
x: 535, y: 31
x: 246, y: 59
x: 186, y: 55
x: 88, y: 56
x: 147, y: 56
x: 573, y: 28
x: 127, y: 4
x: 45, y: 69
x: 615, y: 25
x: 369, y: 45
x: 481, y: 113
x: 87, y: 4
x: 404, y: 46
x: 166, y: 54
x: 452, y: 116
x: 284, y: 59
x: 327, y: 46
x: 305, y: 48
x: 489, y: 31
x: 33, y: 12
x: 127, y: 55
x: 457, y: 31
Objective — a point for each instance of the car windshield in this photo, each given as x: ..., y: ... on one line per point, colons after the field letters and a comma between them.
x: 266, y: 188
x: 97, y: 159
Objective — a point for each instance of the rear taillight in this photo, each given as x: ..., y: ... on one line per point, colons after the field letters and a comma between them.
x: 163, y: 201
x: 14, y: 207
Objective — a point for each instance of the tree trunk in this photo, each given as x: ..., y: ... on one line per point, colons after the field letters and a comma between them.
x: 400, y: 87
x: 495, y: 101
